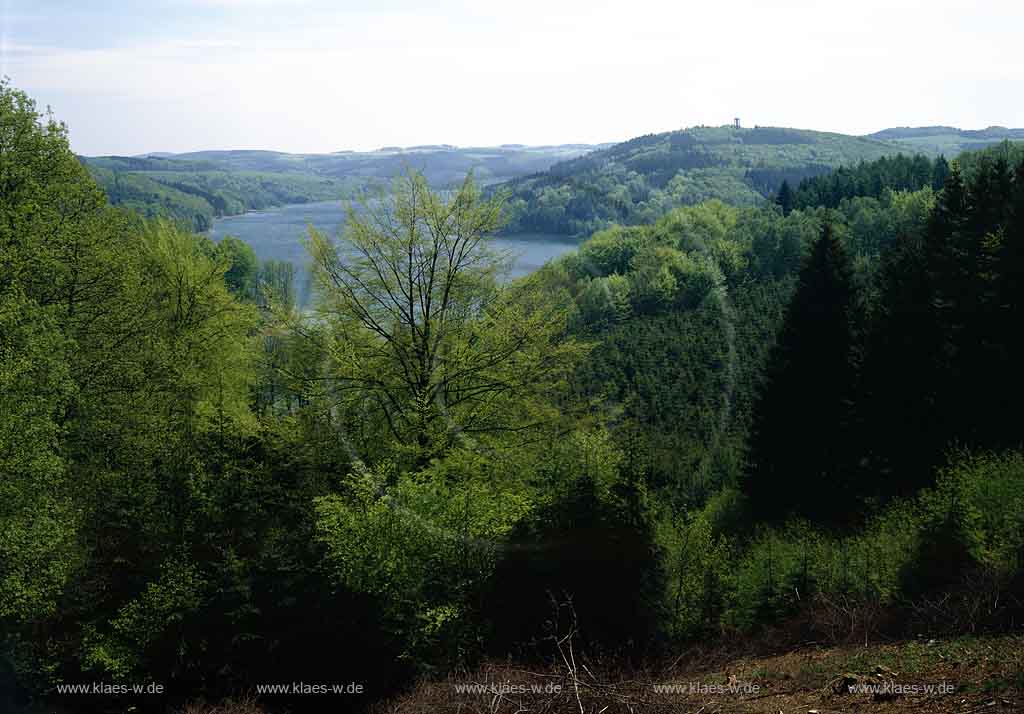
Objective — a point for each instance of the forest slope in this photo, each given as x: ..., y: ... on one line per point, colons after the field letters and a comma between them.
x: 640, y: 180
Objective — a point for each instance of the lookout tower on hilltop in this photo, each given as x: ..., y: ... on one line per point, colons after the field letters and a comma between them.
x: 736, y: 122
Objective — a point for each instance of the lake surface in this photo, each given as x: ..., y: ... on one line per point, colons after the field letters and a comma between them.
x: 276, y: 234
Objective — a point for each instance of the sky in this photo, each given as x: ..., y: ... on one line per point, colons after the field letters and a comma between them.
x: 143, y: 76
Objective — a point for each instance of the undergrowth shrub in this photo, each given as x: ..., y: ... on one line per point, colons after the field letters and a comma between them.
x: 966, y: 572
x: 696, y: 570
x: 592, y: 545
x: 949, y: 559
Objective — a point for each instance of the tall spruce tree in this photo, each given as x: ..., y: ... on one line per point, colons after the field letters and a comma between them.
x: 940, y: 361
x: 940, y: 172
x: 785, y: 198
x: 896, y: 406
x: 1010, y: 292
x: 912, y: 350
x: 962, y: 243
x: 802, y: 415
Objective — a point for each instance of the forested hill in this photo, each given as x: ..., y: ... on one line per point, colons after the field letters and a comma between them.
x: 196, y: 192
x: 442, y: 164
x: 197, y: 187
x: 947, y: 140
x: 640, y: 180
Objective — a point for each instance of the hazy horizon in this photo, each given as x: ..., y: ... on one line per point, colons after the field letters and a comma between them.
x: 191, y: 75
x: 385, y: 147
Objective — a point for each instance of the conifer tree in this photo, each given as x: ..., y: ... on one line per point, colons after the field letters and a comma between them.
x: 1009, y: 311
x: 784, y: 198
x: 940, y: 173
x: 803, y: 411
x: 898, y: 389
x: 939, y: 369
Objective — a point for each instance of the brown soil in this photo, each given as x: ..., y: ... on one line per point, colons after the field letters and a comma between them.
x: 977, y: 675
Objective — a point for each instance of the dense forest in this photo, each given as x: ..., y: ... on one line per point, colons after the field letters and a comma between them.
x: 640, y: 180
x: 709, y: 421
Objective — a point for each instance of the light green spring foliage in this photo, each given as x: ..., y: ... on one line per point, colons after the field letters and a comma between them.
x: 45, y: 216
x: 37, y: 523
x: 985, y: 494
x: 697, y: 563
x: 175, y: 594
x: 200, y: 333
x: 675, y: 264
x: 194, y: 367
x: 392, y: 542
x: 166, y: 601
x: 784, y: 570
x: 427, y: 545
x: 419, y: 337
x: 410, y: 429
x: 977, y: 502
x: 608, y: 251
x: 605, y: 299
x: 122, y: 353
x: 242, y: 275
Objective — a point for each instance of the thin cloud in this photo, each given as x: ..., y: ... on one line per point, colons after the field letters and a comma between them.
x: 318, y: 76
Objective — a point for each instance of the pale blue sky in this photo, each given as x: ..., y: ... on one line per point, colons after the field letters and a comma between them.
x: 179, y: 75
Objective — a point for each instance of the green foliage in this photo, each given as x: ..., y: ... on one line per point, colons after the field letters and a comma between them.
x: 964, y: 533
x: 420, y: 335
x: 204, y: 486
x: 175, y: 594
x: 243, y: 267
x: 698, y: 564
x: 797, y: 460
x: 143, y: 195
x: 195, y: 193
x: 605, y: 300
x: 677, y: 374
x: 38, y: 521
x: 608, y: 251
x: 798, y: 567
x: 590, y: 545
x: 973, y: 520
x: 424, y: 547
x: 941, y: 356
x: 871, y: 180
x: 784, y: 198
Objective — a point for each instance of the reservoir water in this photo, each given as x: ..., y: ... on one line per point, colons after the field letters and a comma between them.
x: 276, y: 234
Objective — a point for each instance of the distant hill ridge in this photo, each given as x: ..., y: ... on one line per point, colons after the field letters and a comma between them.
x: 641, y: 179
x: 947, y: 140
x: 234, y: 154
x: 198, y: 186
x: 570, y: 189
x: 907, y: 132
